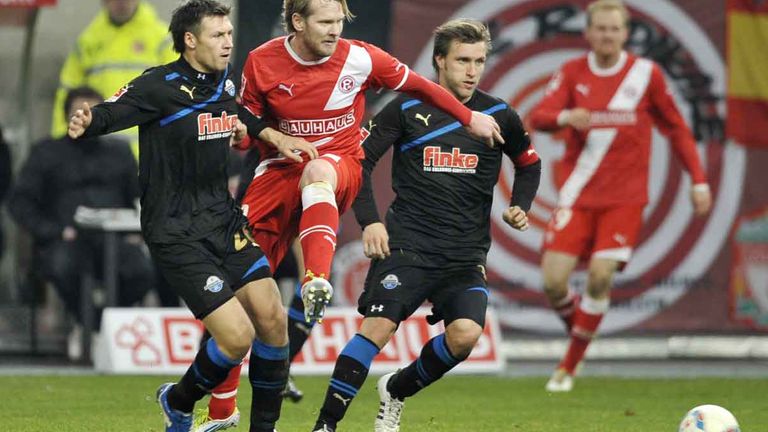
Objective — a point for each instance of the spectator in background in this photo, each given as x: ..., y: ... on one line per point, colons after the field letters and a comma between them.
x: 123, y: 40
x: 5, y: 179
x: 62, y: 174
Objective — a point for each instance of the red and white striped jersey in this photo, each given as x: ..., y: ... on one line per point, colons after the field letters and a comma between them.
x: 608, y: 164
x: 323, y: 101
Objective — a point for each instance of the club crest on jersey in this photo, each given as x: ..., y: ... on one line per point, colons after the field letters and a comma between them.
x: 457, y: 162
x: 390, y: 282
x: 229, y: 87
x: 317, y: 127
x: 123, y: 90
x: 213, y: 284
x: 210, y: 127
x: 346, y: 84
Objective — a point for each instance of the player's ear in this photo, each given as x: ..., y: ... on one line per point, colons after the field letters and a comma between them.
x: 298, y: 22
x: 440, y: 60
x: 190, y: 40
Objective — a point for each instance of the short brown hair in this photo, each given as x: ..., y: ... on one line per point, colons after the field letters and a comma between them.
x: 301, y: 7
x: 188, y: 16
x: 463, y: 30
x: 607, y: 5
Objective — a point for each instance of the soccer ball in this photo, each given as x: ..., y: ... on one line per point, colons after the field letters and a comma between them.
x: 709, y: 418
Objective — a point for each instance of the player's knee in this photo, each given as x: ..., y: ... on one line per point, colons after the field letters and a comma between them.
x: 462, y: 336
x: 318, y: 170
x: 273, y: 323
x: 600, y: 281
x: 555, y: 285
x: 236, y: 342
x: 378, y: 330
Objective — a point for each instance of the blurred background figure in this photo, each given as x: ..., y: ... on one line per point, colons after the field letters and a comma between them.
x: 5, y: 179
x: 60, y: 175
x: 122, y: 41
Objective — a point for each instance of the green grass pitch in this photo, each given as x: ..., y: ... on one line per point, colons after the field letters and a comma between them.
x: 456, y: 403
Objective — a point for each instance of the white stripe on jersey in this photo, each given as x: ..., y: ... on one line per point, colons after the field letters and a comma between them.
x: 358, y: 66
x: 599, y: 140
x: 405, y: 75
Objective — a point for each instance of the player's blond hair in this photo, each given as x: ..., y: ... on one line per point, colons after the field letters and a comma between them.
x: 608, y: 5
x: 462, y: 30
x: 302, y: 7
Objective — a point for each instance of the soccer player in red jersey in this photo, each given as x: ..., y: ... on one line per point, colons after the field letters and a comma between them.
x: 303, y: 100
x: 606, y: 102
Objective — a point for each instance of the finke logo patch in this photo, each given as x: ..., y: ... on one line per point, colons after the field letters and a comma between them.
x: 435, y: 160
x: 390, y: 282
x: 210, y: 127
x: 213, y: 284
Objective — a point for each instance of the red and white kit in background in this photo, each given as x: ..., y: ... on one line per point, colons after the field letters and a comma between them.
x: 603, y: 177
x: 323, y: 102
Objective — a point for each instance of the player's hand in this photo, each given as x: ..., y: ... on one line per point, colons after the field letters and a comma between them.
x: 376, y: 241
x: 485, y: 128
x: 579, y: 118
x: 80, y: 121
x: 516, y: 218
x: 701, y: 197
x: 292, y: 147
x: 239, y: 132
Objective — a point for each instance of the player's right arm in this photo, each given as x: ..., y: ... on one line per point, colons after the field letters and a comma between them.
x: 555, y: 110
x: 252, y: 111
x: 389, y: 72
x: 71, y: 76
x: 383, y: 131
x: 134, y: 104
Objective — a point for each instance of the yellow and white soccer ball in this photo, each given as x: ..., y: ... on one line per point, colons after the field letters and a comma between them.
x: 709, y: 418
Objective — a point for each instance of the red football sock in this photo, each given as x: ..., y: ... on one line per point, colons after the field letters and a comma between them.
x: 317, y: 228
x: 224, y: 396
x: 586, y: 319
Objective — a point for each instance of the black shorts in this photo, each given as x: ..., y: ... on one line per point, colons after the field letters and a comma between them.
x: 206, y: 273
x: 397, y: 285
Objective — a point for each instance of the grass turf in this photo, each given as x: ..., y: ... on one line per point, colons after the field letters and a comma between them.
x: 456, y: 403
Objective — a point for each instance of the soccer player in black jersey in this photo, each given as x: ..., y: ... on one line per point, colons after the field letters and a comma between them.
x: 436, y: 238
x: 187, y: 118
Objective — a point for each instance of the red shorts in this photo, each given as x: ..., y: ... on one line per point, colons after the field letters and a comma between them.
x: 609, y: 232
x: 272, y: 202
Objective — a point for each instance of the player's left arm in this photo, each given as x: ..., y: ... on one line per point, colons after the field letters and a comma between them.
x: 527, y: 164
x: 669, y: 121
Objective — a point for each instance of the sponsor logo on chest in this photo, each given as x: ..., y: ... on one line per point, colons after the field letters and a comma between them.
x: 436, y: 160
x: 327, y: 126
x: 210, y: 127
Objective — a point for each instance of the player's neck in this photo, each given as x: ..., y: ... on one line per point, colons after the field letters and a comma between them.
x: 196, y: 65
x: 607, y: 61
x: 302, y: 50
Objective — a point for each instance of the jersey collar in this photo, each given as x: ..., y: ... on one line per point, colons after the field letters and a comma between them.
x: 613, y: 70
x: 196, y: 76
x: 289, y: 48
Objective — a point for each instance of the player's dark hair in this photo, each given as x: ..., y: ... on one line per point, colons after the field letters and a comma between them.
x: 302, y: 7
x: 80, y: 93
x: 187, y: 18
x: 461, y: 30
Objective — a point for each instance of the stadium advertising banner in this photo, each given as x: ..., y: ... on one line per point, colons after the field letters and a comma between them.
x: 165, y: 341
x: 679, y: 278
